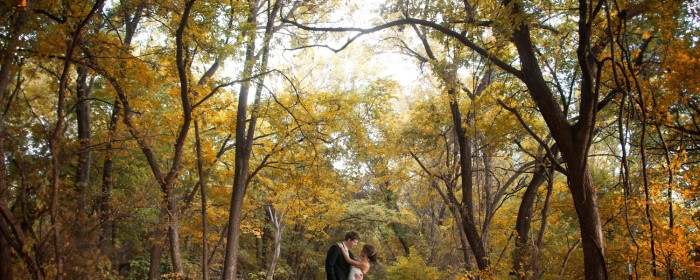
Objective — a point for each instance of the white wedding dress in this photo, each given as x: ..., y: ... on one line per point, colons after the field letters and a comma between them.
x: 353, y: 271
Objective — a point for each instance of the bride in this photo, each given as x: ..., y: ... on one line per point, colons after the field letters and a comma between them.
x: 360, y: 268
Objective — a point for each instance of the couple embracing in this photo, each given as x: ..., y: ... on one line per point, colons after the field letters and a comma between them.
x: 340, y: 263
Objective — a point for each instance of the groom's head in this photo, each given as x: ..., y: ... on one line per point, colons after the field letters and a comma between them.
x: 351, y: 239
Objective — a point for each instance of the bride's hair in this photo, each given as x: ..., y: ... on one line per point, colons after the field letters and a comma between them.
x: 370, y: 253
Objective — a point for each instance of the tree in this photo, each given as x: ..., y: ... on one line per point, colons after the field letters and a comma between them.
x: 573, y: 138
x: 8, y: 223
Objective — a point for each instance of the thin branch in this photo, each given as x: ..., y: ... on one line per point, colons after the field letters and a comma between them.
x: 406, y: 21
x: 549, y: 153
x: 566, y: 259
x: 217, y: 88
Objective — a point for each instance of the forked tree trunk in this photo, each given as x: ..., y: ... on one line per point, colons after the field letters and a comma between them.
x: 574, y: 140
x: 466, y: 206
x: 242, y: 159
x: 244, y: 138
x: 276, y: 218
x: 522, y: 253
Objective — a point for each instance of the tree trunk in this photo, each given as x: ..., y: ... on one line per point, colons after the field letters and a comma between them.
x: 157, y: 247
x: 276, y: 219
x: 522, y: 223
x: 463, y: 239
x: 174, y: 232
x: 244, y: 139
x: 202, y: 189
x: 241, y: 168
x: 107, y: 238
x: 266, y: 241
x: 56, y: 145
x: 390, y: 202
x: 574, y: 140
x: 536, y: 267
x: 5, y: 251
x: 82, y: 111
x: 466, y: 206
x: 167, y: 182
x: 584, y: 195
x: 489, y: 198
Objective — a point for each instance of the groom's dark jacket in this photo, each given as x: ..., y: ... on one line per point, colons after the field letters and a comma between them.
x: 336, y: 266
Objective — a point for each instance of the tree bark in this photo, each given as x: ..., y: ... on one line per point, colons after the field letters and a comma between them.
x: 466, y: 206
x: 390, y: 202
x: 157, y: 246
x: 242, y: 158
x: 489, y: 198
x: 107, y: 237
x: 174, y: 233
x: 5, y: 249
x: 203, y: 193
x: 523, y: 221
x: 276, y: 218
x: 536, y: 267
x: 584, y: 195
x: 573, y: 141
x: 82, y: 111
x: 244, y: 139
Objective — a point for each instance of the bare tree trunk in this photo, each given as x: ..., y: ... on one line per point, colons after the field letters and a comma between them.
x: 242, y: 158
x: 536, y: 268
x: 202, y: 189
x: 573, y: 141
x: 174, y: 233
x: 466, y: 206
x: 79, y: 231
x: 55, y: 148
x: 9, y: 226
x: 157, y: 247
x: 266, y: 242
x: 167, y: 185
x: 566, y: 259
x: 276, y: 218
x: 489, y: 198
x: 244, y: 139
x: 584, y: 195
x: 82, y: 111
x: 5, y: 249
x: 463, y: 239
x: 107, y: 237
x: 522, y: 223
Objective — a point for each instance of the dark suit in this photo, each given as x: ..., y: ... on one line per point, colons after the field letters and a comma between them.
x: 336, y: 266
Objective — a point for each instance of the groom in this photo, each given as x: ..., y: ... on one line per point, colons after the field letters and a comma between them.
x: 336, y: 266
